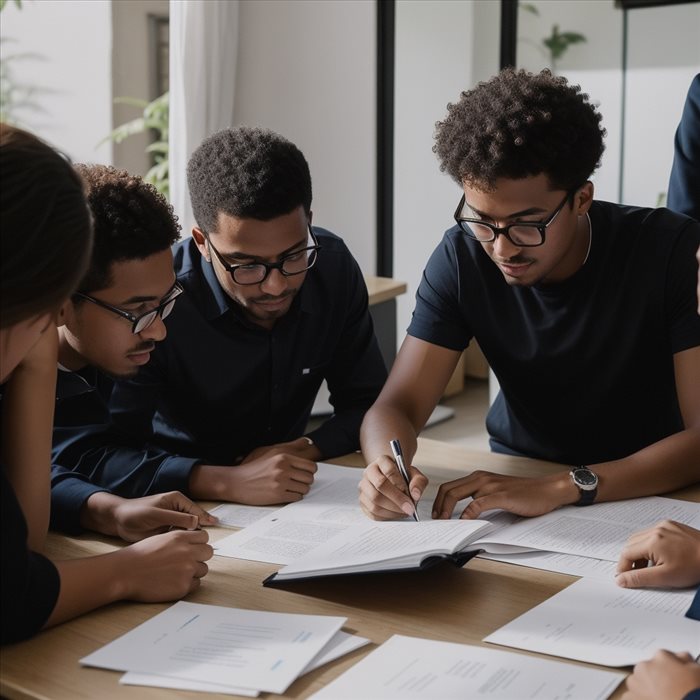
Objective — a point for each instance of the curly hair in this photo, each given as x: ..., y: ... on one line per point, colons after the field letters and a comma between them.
x: 519, y: 124
x: 247, y: 172
x: 131, y: 219
x: 45, y: 231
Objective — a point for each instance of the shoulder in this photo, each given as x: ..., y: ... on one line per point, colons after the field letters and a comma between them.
x: 660, y: 223
x: 330, y: 243
x: 334, y: 256
x: 186, y: 257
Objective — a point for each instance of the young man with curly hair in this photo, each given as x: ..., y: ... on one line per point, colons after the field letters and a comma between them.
x: 272, y: 307
x: 107, y: 330
x: 584, y: 309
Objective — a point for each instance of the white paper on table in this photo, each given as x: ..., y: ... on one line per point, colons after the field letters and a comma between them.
x: 150, y: 680
x: 238, y: 516
x: 409, y: 667
x: 299, y: 528
x: 342, y: 643
x: 600, y: 623
x: 263, y: 650
x: 561, y: 563
x: 598, y: 531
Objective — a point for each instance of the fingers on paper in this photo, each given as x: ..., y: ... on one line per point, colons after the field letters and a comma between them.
x: 383, y: 491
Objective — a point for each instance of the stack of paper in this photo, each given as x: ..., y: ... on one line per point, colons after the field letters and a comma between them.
x: 408, y: 667
x: 225, y: 650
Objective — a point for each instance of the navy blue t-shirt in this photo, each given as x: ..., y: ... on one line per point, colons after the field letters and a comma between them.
x: 585, y: 366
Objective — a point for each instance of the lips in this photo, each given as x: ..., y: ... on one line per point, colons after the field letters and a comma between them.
x: 514, y: 270
x: 141, y: 355
x: 273, y: 303
x: 140, y: 358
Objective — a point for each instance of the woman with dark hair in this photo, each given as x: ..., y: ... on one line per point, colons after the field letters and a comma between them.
x: 45, y: 243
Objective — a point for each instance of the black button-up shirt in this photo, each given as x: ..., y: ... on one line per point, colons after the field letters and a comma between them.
x: 219, y: 386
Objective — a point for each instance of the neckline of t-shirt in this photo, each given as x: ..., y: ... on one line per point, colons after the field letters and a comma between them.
x: 578, y: 278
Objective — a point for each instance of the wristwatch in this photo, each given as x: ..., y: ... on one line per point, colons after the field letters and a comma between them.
x: 587, y: 483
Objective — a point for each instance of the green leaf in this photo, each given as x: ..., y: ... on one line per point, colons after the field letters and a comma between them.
x: 573, y: 37
x: 158, y: 147
x: 529, y: 7
x: 135, y: 126
x: 133, y: 101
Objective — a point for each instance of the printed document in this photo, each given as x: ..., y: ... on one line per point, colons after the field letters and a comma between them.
x: 561, y: 563
x: 600, y: 623
x: 409, y: 667
x: 263, y: 651
x: 341, y: 644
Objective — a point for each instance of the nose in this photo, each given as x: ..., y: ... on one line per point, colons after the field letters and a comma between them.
x: 504, y: 248
x: 274, y: 284
x: 156, y: 331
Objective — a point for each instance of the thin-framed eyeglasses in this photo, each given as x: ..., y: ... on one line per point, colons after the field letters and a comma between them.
x: 140, y: 323
x: 524, y: 234
x: 291, y: 264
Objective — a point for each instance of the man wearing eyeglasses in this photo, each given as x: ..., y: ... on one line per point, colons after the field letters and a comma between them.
x: 108, y: 330
x: 585, y: 311
x: 272, y: 307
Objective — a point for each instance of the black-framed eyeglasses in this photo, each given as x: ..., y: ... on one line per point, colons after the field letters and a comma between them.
x: 140, y: 323
x: 523, y: 234
x: 255, y: 273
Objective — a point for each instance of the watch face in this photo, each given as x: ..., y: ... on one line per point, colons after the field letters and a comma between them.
x: 585, y: 477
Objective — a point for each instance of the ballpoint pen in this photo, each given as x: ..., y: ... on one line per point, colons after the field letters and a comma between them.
x: 398, y: 458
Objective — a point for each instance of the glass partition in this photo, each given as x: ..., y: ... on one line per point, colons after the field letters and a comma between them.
x: 636, y: 63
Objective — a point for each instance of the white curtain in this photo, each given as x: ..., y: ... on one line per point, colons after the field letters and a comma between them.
x: 203, y: 50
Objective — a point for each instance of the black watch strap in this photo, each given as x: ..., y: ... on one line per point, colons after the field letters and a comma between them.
x: 587, y: 497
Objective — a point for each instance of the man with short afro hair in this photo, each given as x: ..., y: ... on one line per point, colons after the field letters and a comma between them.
x: 108, y: 329
x: 272, y: 307
x: 584, y: 310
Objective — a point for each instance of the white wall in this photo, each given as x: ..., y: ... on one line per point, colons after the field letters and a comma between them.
x: 595, y: 65
x: 307, y: 69
x: 659, y: 73
x: 72, y: 74
x: 436, y: 58
x: 663, y: 54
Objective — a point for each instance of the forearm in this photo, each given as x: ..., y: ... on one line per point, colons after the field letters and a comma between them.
x: 97, y: 513
x: 385, y: 422
x: 664, y: 466
x: 209, y: 482
x: 27, y: 420
x: 89, y: 583
x: 98, y: 454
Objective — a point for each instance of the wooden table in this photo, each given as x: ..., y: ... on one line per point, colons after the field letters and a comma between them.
x: 445, y: 603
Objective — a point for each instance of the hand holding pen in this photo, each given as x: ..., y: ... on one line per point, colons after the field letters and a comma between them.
x: 398, y: 458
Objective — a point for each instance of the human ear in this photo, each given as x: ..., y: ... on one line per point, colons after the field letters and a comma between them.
x: 201, y: 243
x: 583, y: 198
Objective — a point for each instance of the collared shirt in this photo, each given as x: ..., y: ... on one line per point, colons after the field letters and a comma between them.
x: 81, y: 400
x: 219, y: 386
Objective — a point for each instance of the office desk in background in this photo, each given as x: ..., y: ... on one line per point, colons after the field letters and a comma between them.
x: 445, y: 603
x: 382, y: 293
x: 382, y: 307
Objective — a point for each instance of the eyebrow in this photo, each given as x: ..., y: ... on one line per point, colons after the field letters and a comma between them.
x: 140, y: 300
x: 514, y: 215
x: 257, y: 258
